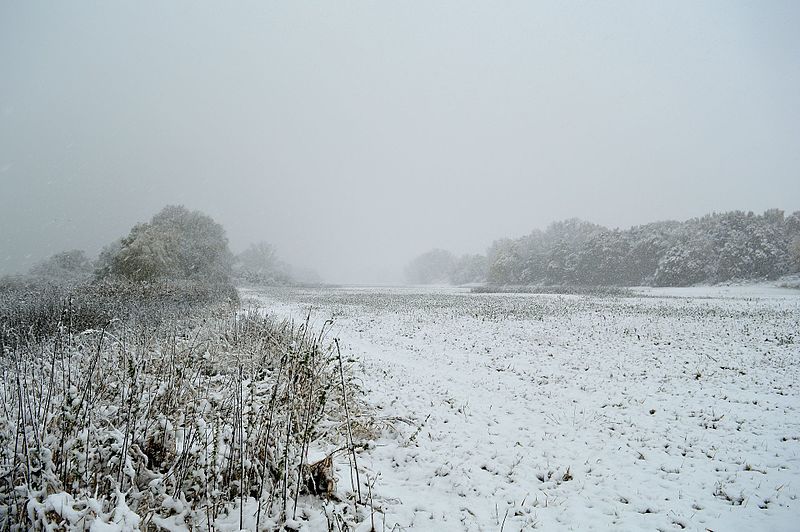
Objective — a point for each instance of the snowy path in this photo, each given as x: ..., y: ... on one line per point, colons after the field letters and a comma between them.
x: 563, y: 412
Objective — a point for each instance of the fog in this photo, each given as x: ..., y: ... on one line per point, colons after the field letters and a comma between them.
x: 355, y: 136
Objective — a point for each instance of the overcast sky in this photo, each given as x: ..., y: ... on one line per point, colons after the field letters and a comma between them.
x: 354, y: 136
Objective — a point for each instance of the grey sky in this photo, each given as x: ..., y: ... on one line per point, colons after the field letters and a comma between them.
x: 355, y: 135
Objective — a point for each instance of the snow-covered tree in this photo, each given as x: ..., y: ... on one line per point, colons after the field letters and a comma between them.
x: 505, y: 262
x: 176, y: 244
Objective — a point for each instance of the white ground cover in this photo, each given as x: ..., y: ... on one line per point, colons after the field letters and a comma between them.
x: 568, y: 412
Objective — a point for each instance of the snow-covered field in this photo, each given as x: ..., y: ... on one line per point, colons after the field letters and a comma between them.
x: 679, y: 409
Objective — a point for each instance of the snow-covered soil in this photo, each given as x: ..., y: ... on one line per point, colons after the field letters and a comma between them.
x: 676, y: 410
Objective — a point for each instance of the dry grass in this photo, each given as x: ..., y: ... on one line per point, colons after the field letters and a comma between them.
x: 180, y: 420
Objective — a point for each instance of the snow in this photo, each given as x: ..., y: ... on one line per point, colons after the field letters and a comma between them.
x: 674, y: 410
x: 760, y: 290
x: 62, y: 505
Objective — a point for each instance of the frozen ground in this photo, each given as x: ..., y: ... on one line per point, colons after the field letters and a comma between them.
x: 675, y: 410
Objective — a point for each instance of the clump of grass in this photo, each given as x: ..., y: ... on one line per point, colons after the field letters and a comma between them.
x: 161, y: 411
x: 734, y: 500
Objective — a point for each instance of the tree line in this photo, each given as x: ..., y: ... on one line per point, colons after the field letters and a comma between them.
x: 715, y: 248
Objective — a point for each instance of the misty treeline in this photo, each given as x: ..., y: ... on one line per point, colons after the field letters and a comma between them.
x: 715, y: 248
x: 439, y: 266
x: 176, y: 243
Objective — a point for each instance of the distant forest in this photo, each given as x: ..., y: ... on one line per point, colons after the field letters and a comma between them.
x: 715, y: 248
